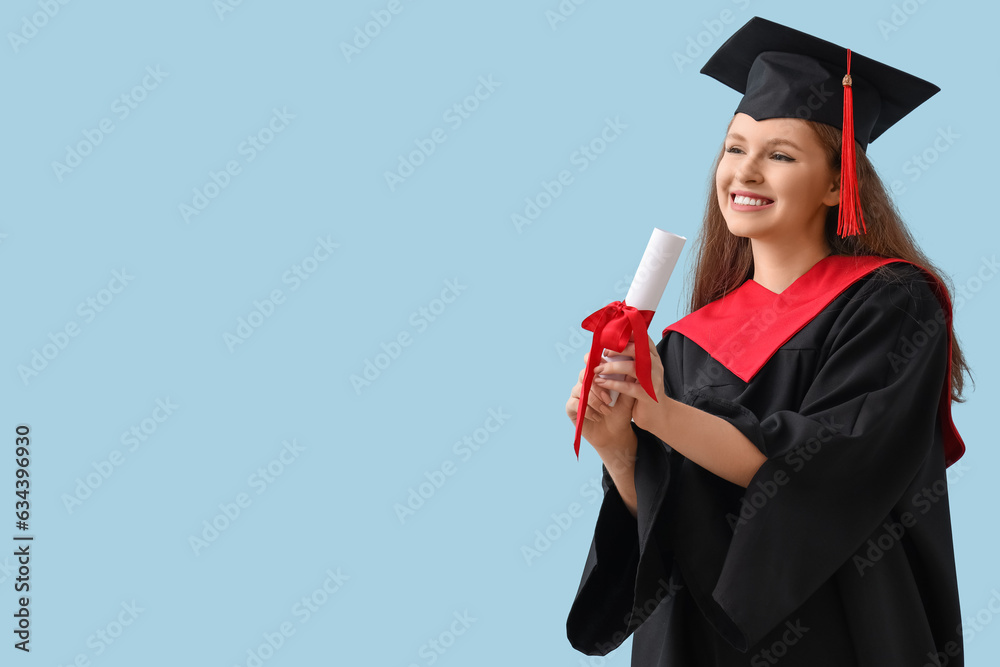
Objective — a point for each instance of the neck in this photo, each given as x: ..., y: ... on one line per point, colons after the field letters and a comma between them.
x: 776, y: 265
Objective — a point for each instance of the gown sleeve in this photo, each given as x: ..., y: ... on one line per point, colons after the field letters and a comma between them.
x: 837, y: 465
x: 598, y: 619
x: 627, y: 573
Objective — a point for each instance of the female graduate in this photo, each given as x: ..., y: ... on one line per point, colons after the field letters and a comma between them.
x: 783, y: 497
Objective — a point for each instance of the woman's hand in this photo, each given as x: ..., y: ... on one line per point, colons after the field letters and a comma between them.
x: 609, y: 430
x: 648, y: 414
x: 604, y: 426
x: 704, y: 439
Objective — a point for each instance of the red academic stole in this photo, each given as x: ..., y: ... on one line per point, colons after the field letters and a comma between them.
x: 729, y: 329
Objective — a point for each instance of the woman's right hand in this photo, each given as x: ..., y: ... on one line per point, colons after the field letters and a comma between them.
x: 605, y: 427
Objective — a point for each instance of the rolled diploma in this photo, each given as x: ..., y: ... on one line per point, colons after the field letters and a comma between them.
x: 649, y: 282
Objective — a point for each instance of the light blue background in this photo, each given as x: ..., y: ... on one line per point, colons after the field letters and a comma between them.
x: 495, y: 346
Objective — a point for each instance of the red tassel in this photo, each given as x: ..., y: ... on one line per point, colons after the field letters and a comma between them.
x: 850, y: 221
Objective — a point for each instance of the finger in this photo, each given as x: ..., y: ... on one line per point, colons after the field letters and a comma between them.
x: 616, y: 353
x: 577, y: 389
x: 595, y: 403
x: 598, y: 404
x: 572, y: 406
x: 616, y: 368
x: 593, y: 414
x: 596, y: 392
x: 627, y: 388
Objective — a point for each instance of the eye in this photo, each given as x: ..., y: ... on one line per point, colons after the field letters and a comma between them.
x: 777, y: 156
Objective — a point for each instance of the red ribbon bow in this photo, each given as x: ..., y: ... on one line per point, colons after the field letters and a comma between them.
x: 613, y: 326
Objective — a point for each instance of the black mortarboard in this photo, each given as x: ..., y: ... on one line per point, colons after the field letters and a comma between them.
x: 786, y: 73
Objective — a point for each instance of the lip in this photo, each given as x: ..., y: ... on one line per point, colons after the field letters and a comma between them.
x: 745, y: 207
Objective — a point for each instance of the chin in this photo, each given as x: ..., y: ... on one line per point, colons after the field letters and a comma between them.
x: 742, y: 228
x: 753, y: 225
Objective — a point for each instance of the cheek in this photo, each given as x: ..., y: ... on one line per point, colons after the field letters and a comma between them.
x: 723, y: 174
x: 723, y: 198
x: 721, y: 185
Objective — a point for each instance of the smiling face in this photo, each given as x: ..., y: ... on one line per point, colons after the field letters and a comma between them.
x: 774, y: 181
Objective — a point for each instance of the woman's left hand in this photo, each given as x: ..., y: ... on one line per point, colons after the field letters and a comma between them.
x: 646, y: 413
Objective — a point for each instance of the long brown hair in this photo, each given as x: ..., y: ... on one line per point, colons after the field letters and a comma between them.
x: 724, y: 261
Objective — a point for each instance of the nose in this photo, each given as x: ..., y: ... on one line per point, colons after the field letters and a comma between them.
x: 748, y: 170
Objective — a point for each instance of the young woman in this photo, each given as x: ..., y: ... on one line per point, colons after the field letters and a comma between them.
x: 784, y: 495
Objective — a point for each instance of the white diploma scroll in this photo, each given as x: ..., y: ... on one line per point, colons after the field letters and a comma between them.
x: 649, y: 282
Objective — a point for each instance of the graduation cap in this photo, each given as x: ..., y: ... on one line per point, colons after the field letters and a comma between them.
x: 786, y: 73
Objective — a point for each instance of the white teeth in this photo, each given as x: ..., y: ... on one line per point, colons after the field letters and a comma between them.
x: 746, y: 201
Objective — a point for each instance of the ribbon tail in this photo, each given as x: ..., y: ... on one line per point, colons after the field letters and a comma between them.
x: 588, y: 376
x: 643, y: 367
x: 582, y: 408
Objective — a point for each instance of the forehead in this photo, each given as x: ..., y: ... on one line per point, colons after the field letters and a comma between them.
x: 793, y: 129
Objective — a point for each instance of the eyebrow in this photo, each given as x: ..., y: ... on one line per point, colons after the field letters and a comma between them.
x: 772, y: 142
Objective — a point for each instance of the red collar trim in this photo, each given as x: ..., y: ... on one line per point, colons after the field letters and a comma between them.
x: 744, y: 329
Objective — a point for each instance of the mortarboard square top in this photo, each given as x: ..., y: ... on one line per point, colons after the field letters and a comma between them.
x: 786, y: 73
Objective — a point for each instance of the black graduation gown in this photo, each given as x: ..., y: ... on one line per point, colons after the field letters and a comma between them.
x: 840, y: 550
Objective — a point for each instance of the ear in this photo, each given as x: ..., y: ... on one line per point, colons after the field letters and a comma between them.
x: 832, y: 196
